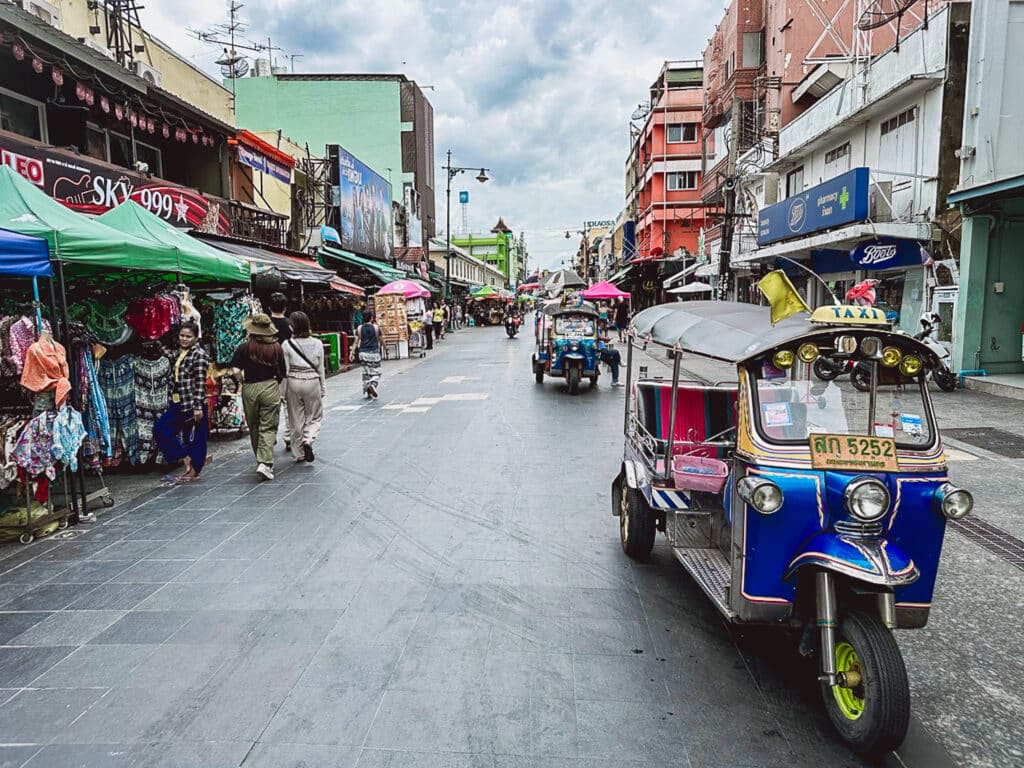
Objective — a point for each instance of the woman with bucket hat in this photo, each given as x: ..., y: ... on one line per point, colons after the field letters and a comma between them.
x: 260, y: 361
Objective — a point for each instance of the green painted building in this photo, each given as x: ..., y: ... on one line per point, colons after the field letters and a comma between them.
x: 384, y: 120
x: 500, y: 249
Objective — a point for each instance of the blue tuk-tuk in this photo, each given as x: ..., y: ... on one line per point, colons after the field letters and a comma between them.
x: 566, y: 339
x: 793, y: 502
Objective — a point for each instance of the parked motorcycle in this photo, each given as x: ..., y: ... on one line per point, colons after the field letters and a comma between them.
x: 827, y: 369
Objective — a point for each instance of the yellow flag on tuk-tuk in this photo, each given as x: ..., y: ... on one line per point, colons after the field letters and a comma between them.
x: 782, y: 296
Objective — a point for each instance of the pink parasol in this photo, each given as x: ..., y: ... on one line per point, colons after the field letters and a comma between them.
x: 604, y: 290
x: 407, y: 288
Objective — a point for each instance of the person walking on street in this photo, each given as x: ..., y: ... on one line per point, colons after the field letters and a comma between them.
x: 368, y: 351
x: 181, y: 432
x: 608, y: 355
x: 428, y: 328
x: 622, y: 318
x: 447, y: 322
x: 438, y: 318
x: 305, y: 385
x: 260, y: 361
x: 278, y: 307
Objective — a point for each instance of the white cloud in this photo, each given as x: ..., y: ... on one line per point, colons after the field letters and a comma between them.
x: 539, y: 91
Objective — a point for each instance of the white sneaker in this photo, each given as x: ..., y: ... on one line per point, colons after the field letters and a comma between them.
x: 265, y: 471
x: 618, y: 384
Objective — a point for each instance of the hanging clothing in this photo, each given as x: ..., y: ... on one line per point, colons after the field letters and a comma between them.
x: 45, y: 369
x: 10, y: 430
x: 152, y: 393
x: 105, y: 320
x: 34, y: 451
x: 96, y: 424
x: 22, y: 336
x: 227, y: 328
x: 68, y: 434
x: 150, y: 318
x: 117, y: 380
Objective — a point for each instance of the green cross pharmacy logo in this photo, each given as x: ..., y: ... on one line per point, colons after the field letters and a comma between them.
x: 844, y: 198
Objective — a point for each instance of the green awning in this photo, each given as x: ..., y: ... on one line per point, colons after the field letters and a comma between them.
x: 195, y: 258
x: 429, y: 286
x: 381, y: 271
x: 620, y: 274
x: 73, y: 238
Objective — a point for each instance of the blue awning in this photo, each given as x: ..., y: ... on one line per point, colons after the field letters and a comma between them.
x: 1001, y: 187
x: 24, y: 255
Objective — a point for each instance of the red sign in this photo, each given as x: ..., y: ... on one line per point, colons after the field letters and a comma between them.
x: 86, y: 186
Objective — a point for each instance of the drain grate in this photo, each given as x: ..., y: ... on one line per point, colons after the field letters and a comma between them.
x: 1001, y: 543
x: 996, y: 440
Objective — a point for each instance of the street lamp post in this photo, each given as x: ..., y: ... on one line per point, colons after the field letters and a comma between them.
x: 453, y: 171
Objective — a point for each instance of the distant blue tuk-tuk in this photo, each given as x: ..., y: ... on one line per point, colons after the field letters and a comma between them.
x: 566, y: 339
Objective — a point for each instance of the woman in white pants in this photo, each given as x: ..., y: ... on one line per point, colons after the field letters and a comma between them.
x: 306, y: 385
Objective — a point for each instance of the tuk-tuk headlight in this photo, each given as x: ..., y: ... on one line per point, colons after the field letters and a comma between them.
x: 871, y: 347
x: 807, y: 353
x: 891, y: 357
x: 955, y: 503
x: 574, y: 346
x: 911, y: 365
x: 866, y: 499
x: 763, y: 495
x: 784, y: 358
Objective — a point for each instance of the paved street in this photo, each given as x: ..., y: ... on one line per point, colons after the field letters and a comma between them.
x: 445, y: 587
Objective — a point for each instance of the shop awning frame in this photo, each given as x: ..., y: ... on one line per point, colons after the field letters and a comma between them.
x: 288, y: 267
x: 379, y: 270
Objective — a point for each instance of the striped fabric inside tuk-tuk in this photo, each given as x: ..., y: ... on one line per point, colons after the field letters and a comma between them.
x: 701, y: 413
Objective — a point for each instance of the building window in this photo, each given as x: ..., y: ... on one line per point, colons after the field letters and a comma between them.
x: 795, y: 182
x: 680, y: 133
x: 753, y: 49
x: 121, y: 153
x: 897, y: 144
x: 682, y: 180
x: 837, y: 161
x: 22, y: 116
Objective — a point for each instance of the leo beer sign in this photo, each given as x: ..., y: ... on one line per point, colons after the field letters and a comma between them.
x: 87, y: 186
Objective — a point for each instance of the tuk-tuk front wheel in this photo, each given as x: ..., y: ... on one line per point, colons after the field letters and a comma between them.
x: 573, y: 378
x: 870, y: 707
x: 538, y: 371
x: 637, y: 525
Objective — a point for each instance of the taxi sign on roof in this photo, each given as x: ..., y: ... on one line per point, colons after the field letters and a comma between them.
x: 849, y: 314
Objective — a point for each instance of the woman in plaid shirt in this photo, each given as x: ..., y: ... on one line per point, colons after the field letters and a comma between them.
x: 181, y: 432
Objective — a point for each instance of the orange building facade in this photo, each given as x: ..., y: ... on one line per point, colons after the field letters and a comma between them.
x: 663, y: 174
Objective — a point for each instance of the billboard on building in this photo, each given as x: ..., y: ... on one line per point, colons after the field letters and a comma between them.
x: 361, y: 200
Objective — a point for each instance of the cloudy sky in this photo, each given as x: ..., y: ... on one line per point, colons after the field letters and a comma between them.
x: 539, y: 91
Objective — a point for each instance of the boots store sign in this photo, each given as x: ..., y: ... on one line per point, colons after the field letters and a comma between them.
x: 87, y: 186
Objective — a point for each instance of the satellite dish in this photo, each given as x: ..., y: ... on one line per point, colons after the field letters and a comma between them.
x: 232, y: 66
x: 881, y: 12
x: 641, y: 111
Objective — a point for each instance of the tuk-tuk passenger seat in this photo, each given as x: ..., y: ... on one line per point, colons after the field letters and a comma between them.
x: 702, y: 412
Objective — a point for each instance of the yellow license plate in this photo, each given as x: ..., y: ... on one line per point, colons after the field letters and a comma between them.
x: 867, y: 454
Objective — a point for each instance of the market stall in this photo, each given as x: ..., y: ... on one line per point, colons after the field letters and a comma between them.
x: 414, y: 293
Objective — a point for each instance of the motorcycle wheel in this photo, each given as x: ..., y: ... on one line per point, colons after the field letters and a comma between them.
x: 860, y: 377
x: 637, y: 526
x: 573, y: 377
x: 872, y: 717
x: 826, y: 371
x: 945, y: 378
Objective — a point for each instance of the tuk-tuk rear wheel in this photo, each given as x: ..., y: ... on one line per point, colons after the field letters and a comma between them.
x: 637, y: 524
x: 871, y: 711
x: 538, y: 371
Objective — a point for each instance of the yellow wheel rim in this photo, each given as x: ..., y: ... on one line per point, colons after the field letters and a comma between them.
x: 847, y: 699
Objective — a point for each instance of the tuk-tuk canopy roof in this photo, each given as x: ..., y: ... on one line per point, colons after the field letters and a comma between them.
x: 555, y: 307
x: 734, y: 332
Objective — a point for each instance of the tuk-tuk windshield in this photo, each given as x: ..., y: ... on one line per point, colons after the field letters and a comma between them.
x: 796, y: 404
x: 574, y: 325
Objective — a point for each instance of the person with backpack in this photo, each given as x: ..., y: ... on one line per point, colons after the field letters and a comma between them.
x: 368, y: 351
x: 305, y: 385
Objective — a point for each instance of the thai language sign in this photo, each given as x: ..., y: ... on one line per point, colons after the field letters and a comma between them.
x: 362, y: 199
x: 838, y: 201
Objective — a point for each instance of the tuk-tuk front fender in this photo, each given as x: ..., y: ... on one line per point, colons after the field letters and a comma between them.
x: 873, y: 561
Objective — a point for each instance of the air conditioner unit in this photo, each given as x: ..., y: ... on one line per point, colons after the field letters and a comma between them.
x: 88, y: 42
x: 43, y: 9
x: 146, y: 72
x: 880, y: 201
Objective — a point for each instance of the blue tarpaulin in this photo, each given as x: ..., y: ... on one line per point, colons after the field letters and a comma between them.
x: 24, y: 255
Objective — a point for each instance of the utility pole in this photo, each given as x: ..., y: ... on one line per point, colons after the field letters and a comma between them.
x: 729, y: 191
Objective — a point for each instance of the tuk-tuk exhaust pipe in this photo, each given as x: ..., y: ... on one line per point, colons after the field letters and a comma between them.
x: 826, y: 594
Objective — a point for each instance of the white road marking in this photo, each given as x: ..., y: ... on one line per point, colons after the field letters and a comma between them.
x: 410, y: 409
x: 467, y: 396
x: 459, y: 379
x: 395, y: 406
x: 426, y: 401
x: 346, y: 408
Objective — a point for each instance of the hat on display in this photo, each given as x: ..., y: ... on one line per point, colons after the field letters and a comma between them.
x: 260, y: 325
